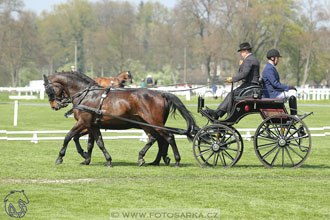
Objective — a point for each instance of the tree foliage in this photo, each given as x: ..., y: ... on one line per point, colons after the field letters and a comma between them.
x: 195, y: 41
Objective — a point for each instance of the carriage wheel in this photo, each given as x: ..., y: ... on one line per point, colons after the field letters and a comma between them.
x: 286, y: 143
x: 217, y: 145
x: 241, y: 143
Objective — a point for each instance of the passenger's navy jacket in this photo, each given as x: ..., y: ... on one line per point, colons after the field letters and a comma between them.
x: 271, y: 80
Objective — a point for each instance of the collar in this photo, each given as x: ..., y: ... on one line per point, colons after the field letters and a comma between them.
x: 247, y: 55
x: 271, y: 64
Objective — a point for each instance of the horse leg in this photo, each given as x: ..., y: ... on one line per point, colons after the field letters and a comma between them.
x: 73, y: 132
x: 90, y: 147
x: 171, y: 140
x: 162, y: 152
x: 99, y: 141
x: 143, y: 152
x: 78, y: 146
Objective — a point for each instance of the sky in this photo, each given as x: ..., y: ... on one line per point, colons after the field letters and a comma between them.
x: 39, y: 5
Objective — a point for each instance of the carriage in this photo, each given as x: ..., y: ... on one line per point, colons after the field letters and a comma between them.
x: 281, y: 140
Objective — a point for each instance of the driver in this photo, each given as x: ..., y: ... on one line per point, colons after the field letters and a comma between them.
x: 271, y: 80
x: 248, y: 73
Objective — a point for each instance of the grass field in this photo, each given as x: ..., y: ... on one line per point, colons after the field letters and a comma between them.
x: 71, y: 191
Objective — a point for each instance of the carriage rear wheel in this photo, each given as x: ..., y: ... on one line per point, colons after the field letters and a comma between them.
x: 217, y: 146
x: 282, y: 141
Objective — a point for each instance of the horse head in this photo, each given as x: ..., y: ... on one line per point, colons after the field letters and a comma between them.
x: 57, y: 95
x: 129, y: 76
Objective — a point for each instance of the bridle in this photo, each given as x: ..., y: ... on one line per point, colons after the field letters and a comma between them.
x: 63, y: 100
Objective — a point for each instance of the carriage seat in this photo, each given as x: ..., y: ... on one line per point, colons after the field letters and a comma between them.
x: 254, y: 91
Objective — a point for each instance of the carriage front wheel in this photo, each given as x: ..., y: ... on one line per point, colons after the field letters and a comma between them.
x: 217, y: 145
x: 283, y: 141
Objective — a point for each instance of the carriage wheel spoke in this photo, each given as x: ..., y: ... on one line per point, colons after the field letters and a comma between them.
x: 215, y: 160
x: 282, y: 157
x: 281, y: 128
x: 293, y: 133
x: 228, y: 155
x: 264, y: 146
x: 265, y: 138
x: 297, y: 145
x: 209, y: 157
x: 286, y: 149
x: 204, y: 152
x: 211, y: 135
x: 269, y: 152
x: 207, y: 141
x: 200, y: 145
x: 275, y: 157
x: 288, y: 129
x: 298, y: 138
x: 268, y: 131
x: 229, y: 143
x: 276, y: 128
x: 228, y: 148
x: 295, y: 152
x: 222, y: 159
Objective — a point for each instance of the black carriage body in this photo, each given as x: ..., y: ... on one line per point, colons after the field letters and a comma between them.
x: 244, y: 107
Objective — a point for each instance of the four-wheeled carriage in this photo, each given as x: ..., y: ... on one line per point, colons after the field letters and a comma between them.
x: 280, y: 140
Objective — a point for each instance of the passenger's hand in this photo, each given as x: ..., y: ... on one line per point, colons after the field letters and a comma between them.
x: 293, y: 88
x: 229, y: 80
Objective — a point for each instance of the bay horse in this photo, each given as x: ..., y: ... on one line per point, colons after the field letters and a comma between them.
x: 141, y: 105
x: 115, y: 82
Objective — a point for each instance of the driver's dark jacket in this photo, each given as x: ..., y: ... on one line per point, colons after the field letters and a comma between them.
x: 249, y: 74
x: 249, y: 71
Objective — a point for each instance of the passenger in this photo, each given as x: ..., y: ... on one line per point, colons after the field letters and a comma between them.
x: 248, y: 73
x: 149, y: 80
x: 143, y: 84
x: 272, y: 87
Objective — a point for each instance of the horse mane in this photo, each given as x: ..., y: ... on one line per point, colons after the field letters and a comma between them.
x: 85, y: 77
x: 82, y: 77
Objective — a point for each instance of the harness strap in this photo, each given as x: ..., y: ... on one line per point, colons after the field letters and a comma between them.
x: 103, y: 96
x: 99, y: 113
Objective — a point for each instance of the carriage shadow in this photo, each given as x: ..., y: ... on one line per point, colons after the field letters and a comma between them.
x: 304, y: 166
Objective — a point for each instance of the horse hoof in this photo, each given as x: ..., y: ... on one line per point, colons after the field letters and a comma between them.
x: 141, y: 162
x: 84, y: 163
x: 177, y: 164
x: 109, y: 166
x: 153, y: 164
x: 167, y: 161
x: 58, y: 161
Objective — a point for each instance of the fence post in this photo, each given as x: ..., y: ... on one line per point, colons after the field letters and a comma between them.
x: 42, y: 93
x: 15, y: 112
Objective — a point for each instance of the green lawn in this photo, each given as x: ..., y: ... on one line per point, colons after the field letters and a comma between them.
x: 71, y: 191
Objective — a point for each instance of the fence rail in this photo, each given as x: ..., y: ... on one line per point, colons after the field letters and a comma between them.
x: 247, y: 134
x: 307, y: 93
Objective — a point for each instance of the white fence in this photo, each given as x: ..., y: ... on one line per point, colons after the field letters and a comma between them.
x: 35, y: 136
x: 307, y: 93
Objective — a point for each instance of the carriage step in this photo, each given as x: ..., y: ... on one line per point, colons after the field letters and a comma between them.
x: 301, y: 117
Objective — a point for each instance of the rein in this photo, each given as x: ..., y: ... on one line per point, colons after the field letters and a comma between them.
x: 99, y: 112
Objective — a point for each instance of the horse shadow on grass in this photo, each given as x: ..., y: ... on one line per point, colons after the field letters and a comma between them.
x: 135, y: 164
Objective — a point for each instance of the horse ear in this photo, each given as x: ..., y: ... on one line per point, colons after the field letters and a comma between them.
x: 45, y: 79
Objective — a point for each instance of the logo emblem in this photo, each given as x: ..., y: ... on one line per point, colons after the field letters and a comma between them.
x: 15, y: 204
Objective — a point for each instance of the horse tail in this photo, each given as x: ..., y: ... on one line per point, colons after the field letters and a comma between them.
x: 173, y: 104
